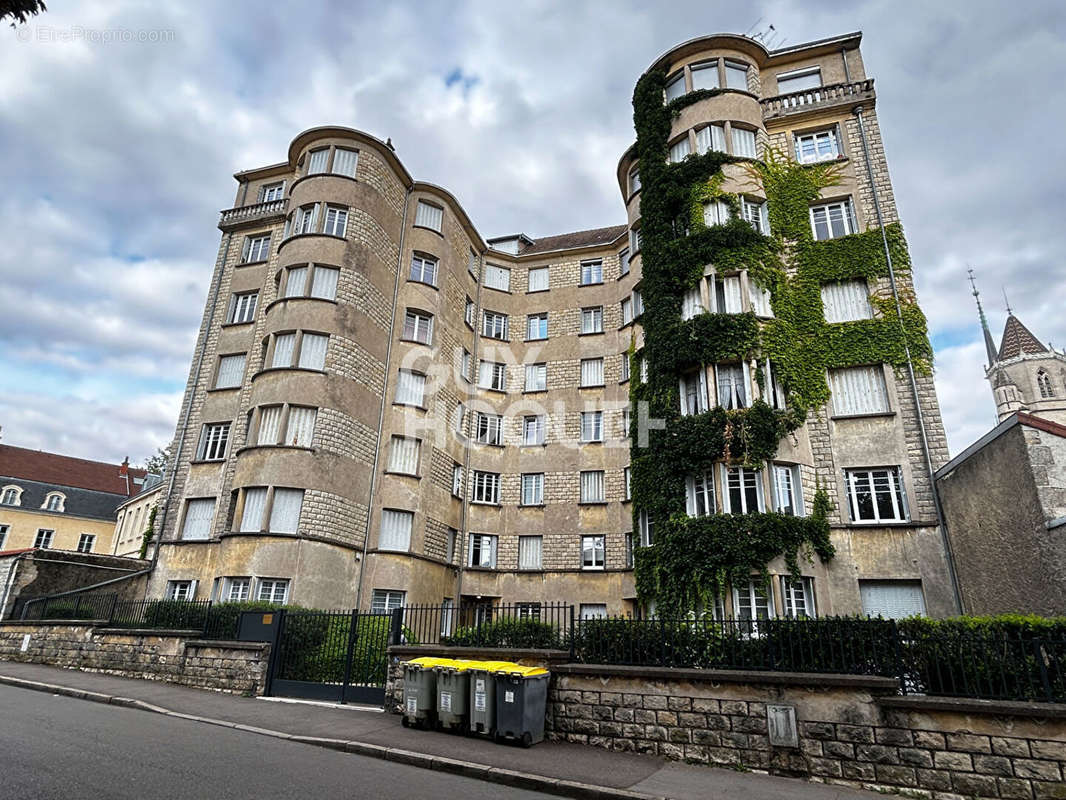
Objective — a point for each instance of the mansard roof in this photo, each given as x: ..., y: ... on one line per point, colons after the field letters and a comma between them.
x: 567, y: 241
x: 1018, y: 339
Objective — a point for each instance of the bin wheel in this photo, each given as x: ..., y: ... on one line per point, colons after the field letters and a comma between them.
x: 438, y: 725
x: 497, y: 737
x: 405, y: 721
x: 527, y: 739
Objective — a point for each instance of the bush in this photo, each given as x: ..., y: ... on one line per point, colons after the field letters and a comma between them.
x: 512, y: 633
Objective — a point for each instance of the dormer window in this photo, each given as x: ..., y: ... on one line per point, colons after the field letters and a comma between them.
x: 12, y: 496
x: 53, y: 501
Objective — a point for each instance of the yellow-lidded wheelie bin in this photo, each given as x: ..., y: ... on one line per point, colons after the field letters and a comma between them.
x: 521, y: 701
x: 453, y: 690
x: 483, y: 695
x: 420, y: 690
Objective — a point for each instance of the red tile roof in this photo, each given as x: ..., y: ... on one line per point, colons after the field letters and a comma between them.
x: 566, y: 241
x: 51, y: 468
x: 1018, y: 339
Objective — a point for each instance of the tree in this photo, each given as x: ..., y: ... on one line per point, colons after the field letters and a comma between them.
x: 20, y: 10
x: 157, y: 462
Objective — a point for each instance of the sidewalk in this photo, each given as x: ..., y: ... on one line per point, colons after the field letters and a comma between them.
x: 555, y: 767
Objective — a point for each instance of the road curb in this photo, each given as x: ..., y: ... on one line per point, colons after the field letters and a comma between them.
x: 468, y: 769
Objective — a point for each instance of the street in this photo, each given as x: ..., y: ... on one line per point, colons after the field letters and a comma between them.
x: 60, y: 747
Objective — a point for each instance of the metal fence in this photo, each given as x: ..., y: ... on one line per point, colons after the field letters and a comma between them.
x: 544, y: 626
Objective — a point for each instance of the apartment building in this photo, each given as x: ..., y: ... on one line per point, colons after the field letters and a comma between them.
x: 386, y: 407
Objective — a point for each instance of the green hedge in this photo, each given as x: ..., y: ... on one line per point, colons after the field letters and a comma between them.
x: 518, y: 633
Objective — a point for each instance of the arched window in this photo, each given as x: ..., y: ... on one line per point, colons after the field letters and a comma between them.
x: 53, y: 501
x: 12, y: 496
x: 1043, y: 380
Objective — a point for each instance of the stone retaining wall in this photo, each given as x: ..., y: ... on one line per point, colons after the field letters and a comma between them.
x: 172, y: 656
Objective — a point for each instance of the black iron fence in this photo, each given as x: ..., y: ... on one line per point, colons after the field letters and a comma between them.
x: 543, y: 626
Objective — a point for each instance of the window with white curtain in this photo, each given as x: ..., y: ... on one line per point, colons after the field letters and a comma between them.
x: 627, y: 476
x: 725, y: 294
x: 497, y: 278
x: 471, y: 265
x: 743, y: 142
x: 593, y: 555
x: 591, y: 272
x: 230, y: 371
x: 832, y: 220
x: 623, y: 368
x: 313, y: 351
x: 743, y: 490
x: 592, y: 486
x: 892, y: 599
x: 284, y: 347
x: 858, y: 390
x: 716, y: 212
x: 788, y: 496
x: 285, y: 512
x: 254, y: 506
x: 752, y: 601
x: 533, y: 488
x: 213, y: 441
x: 646, y: 527
x: 537, y: 326
x: 773, y: 389
x: 317, y: 161
x: 876, y: 495
x: 679, y: 149
x: 593, y: 611
x: 538, y: 279
x: 592, y: 320
x: 395, y: 530
x: 757, y: 214
x: 301, y: 428
x: 242, y: 307
x: 798, y: 597
x: 344, y: 161
x: 482, y: 550
x: 691, y: 303
x: 592, y: 426
x: 699, y: 495
x: 199, y: 514
x: 269, y: 425
x: 627, y: 311
x: 817, y: 146
x: 536, y: 377
x: 486, y: 487
x: 693, y: 391
x: 494, y: 325
x: 529, y: 552
x: 410, y: 388
x: 704, y: 75
x: 423, y: 269
x: 592, y: 372
x: 403, y: 455
x: 760, y: 299
x: 429, y: 216
x: 492, y: 375
x: 324, y: 283
x: 736, y: 75
x: 295, y: 282
x: 533, y: 430
x: 675, y: 86
x: 733, y: 385
x: 845, y: 301
x: 336, y: 220
x: 468, y: 312
x: 418, y: 327
x: 457, y: 480
x: 488, y: 428
x: 638, y: 303
x: 710, y: 137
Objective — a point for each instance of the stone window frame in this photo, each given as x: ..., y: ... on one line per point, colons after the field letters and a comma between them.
x: 4, y: 493
x: 60, y: 501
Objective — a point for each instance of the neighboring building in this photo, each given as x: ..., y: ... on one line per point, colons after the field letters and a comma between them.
x: 1004, y: 499
x: 386, y: 407
x: 55, y: 502
x: 132, y: 517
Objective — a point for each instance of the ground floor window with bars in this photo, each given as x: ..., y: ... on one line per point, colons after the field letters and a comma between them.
x: 383, y: 601
x: 876, y: 495
x: 527, y: 610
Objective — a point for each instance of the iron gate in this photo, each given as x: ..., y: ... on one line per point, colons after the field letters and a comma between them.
x: 338, y: 656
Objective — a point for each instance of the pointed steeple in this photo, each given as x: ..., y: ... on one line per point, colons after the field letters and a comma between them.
x: 990, y: 347
x: 1018, y: 339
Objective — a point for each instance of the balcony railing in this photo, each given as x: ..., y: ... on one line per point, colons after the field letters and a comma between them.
x: 817, y: 98
x: 260, y: 212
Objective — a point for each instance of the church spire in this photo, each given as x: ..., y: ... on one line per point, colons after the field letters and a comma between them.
x: 990, y: 347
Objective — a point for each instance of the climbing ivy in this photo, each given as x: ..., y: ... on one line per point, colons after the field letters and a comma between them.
x: 692, y: 558
x: 149, y: 533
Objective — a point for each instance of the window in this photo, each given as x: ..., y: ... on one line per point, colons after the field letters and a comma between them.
x: 53, y: 502
x: 592, y: 552
x: 230, y: 371
x: 403, y: 455
x: 743, y: 493
x: 799, y: 80
x: 43, y: 540
x: 892, y: 599
x: 313, y: 351
x: 732, y: 385
x: 486, y: 487
x: 647, y: 529
x: 635, y: 240
x: 489, y: 428
x: 694, y: 392
x: 537, y: 326
x: 492, y: 376
x: 675, y: 86
x: 344, y: 161
x: 429, y: 216
x: 86, y: 542
x: 678, y: 150
x: 817, y: 146
x: 410, y: 388
x: 385, y: 601
x: 536, y: 377
x: 471, y: 265
x: 593, y: 611
x: 757, y: 214
x: 423, y: 269
x: 591, y: 272
x: 798, y: 597
x: 295, y: 282
x: 242, y: 308
x: 533, y: 430
x: 457, y: 480
x: 710, y: 137
x: 269, y: 425
x: 533, y: 492
x: 256, y: 248
x: 704, y: 75
x: 254, y: 505
x: 301, y: 428
x: 832, y: 220
x: 592, y: 486
x: 788, y: 497
x: 305, y: 219
x: 844, y: 301
x: 494, y: 325
x: 725, y: 294
x: 395, y: 530
x: 271, y: 192
x: 876, y: 495
x: 317, y: 160
x: 198, y: 516
x: 482, y: 550
x: 529, y: 552
x: 1043, y: 381
x: 285, y: 512
x: 12, y: 496
x: 336, y: 220
x: 235, y: 590
x: 634, y: 180
x: 468, y: 313
x: 466, y: 365
x: 274, y: 590
x: 699, y: 495
x: 623, y: 263
x: 691, y: 304
x: 743, y: 142
x: 591, y: 372
x: 592, y: 320
x: 181, y: 590
x: 497, y: 278
x: 3, y: 534
x: 213, y: 441
x: 716, y: 212
x: 774, y: 390
x: 538, y: 279
x: 759, y: 298
x: 858, y: 390
x: 643, y: 369
x: 627, y: 311
x: 284, y: 348
x: 627, y: 477
x: 752, y: 601
x: 623, y: 368
x: 460, y: 419
x: 453, y: 541
x: 418, y: 327
x: 638, y: 303
x: 736, y: 75
x: 592, y: 426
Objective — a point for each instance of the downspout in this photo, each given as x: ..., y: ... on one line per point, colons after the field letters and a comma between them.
x: 945, y: 540
x: 844, y: 57
x: 381, y: 408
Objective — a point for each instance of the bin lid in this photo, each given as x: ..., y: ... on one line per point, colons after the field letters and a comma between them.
x: 458, y: 664
x: 425, y: 662
x: 495, y: 666
x: 525, y: 672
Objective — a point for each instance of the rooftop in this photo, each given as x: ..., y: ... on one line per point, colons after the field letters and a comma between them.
x: 1018, y: 339
x: 567, y: 241
x: 58, y: 470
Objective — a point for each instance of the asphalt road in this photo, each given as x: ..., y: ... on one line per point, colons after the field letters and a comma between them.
x: 69, y: 749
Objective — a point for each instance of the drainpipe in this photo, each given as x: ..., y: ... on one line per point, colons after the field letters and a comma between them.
x: 381, y: 408
x: 844, y: 57
x: 946, y: 542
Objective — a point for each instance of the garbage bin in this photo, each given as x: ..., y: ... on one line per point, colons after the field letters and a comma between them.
x: 453, y: 690
x: 483, y: 695
x: 419, y: 690
x: 521, y: 701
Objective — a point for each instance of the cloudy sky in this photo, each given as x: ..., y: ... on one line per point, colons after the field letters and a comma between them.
x: 116, y: 156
